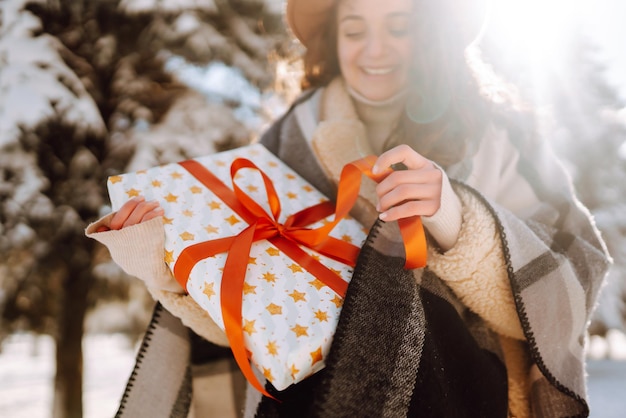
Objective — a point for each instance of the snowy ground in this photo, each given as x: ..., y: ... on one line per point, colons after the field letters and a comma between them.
x: 26, y: 373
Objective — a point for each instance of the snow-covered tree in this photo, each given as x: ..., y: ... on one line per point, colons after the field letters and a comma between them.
x: 90, y: 89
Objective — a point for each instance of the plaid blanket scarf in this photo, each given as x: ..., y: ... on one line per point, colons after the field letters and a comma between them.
x: 405, y: 344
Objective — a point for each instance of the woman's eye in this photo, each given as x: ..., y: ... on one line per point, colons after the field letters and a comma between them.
x: 398, y: 26
x: 353, y: 29
x: 399, y: 33
x: 354, y: 35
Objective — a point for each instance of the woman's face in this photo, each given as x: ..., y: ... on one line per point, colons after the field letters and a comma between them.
x: 374, y: 45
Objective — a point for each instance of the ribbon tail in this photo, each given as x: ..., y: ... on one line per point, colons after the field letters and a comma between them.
x: 411, y: 228
x: 231, y: 301
x: 414, y: 239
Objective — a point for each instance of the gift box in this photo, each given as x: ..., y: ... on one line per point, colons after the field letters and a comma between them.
x: 288, y: 310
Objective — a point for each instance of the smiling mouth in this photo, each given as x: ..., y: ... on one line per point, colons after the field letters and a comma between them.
x: 378, y: 71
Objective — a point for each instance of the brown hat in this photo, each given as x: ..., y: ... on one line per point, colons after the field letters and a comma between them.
x: 307, y: 17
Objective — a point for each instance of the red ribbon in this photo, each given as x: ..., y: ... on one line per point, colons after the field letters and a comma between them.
x: 287, y: 237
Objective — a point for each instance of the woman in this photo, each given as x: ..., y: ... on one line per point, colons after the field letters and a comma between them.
x: 495, y: 324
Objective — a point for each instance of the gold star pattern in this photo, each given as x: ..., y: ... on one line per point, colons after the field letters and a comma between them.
x: 292, y: 195
x: 115, y: 179
x: 187, y: 236
x: 307, y: 188
x: 176, y: 175
x: 188, y: 213
x: 214, y: 205
x: 142, y: 172
x: 248, y: 326
x: 269, y: 277
x: 169, y: 256
x: 300, y: 331
x: 156, y: 183
x: 272, y: 164
x: 296, y: 296
x: 251, y: 188
x: 210, y: 229
x: 252, y: 260
x: 294, y: 371
x: 272, y: 251
x: 295, y: 268
x: 272, y: 348
x: 208, y: 290
x: 338, y: 301
x: 232, y: 220
x: 321, y: 316
x: 171, y: 198
x: 274, y: 309
x: 247, y: 289
x: 132, y: 192
x: 316, y: 356
x: 268, y: 374
x: 195, y: 189
x: 346, y: 238
x: 290, y: 176
x: 167, y: 221
x: 317, y: 283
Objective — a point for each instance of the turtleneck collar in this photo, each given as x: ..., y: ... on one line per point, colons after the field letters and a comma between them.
x: 379, y: 117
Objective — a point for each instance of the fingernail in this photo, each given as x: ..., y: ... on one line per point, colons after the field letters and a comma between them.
x: 382, y: 216
x: 377, y: 207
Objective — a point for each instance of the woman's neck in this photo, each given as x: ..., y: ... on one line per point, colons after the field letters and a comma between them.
x: 380, y: 118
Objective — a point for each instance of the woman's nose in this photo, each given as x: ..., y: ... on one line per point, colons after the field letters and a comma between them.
x: 376, y: 45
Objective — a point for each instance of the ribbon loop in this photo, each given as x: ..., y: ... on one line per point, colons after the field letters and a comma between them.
x: 288, y: 237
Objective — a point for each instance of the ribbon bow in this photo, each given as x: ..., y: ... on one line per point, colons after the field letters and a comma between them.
x: 288, y: 237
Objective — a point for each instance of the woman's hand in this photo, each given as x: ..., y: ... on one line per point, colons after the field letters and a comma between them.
x: 415, y: 190
x: 134, y: 211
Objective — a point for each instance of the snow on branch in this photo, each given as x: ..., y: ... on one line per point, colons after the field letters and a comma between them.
x: 167, y: 6
x: 36, y: 85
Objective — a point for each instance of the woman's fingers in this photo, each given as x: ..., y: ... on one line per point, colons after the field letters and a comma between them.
x: 425, y: 176
x: 428, y: 194
x: 118, y: 219
x: 134, y: 211
x: 413, y: 190
x: 155, y: 213
x: 402, y: 154
x: 142, y: 210
x: 410, y: 208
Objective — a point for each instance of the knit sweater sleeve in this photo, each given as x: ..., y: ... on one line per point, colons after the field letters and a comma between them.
x: 445, y: 224
x: 138, y: 250
x: 475, y: 268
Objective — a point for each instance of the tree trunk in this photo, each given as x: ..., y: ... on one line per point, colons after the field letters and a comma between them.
x: 68, y: 382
